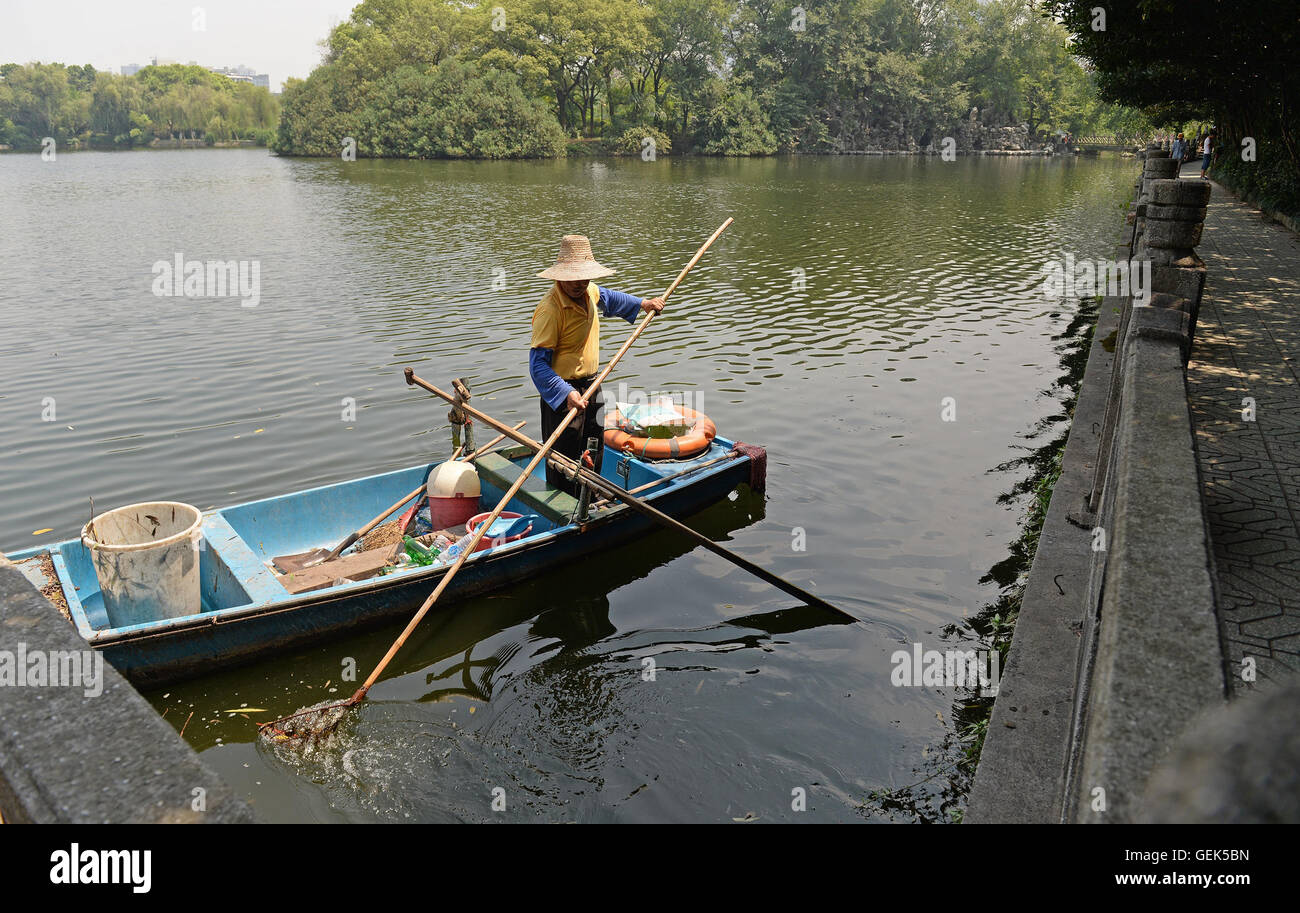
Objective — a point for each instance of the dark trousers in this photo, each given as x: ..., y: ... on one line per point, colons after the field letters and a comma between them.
x: 573, y: 441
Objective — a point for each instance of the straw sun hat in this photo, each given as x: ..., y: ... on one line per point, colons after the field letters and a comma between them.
x: 575, y: 262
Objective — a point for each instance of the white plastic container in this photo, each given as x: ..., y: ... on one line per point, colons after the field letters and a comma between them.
x: 454, y: 479
x: 146, y: 557
x: 453, y: 490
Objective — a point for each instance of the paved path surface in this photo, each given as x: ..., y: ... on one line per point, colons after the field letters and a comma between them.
x: 1248, y: 346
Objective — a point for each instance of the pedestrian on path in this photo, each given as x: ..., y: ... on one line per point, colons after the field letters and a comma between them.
x: 1206, y: 151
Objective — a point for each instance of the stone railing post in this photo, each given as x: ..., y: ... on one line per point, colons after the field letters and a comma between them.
x: 1175, y: 218
x: 1157, y: 167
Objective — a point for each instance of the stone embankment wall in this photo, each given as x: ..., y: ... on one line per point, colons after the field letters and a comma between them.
x: 72, y: 754
x: 1116, y: 649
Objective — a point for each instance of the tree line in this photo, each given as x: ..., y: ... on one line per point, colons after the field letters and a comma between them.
x: 79, y: 106
x: 1230, y: 62
x: 517, y: 78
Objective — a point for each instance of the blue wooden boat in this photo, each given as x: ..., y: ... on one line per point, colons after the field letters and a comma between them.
x: 248, y: 612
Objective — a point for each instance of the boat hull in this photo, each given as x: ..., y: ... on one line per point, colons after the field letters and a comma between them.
x: 151, y: 656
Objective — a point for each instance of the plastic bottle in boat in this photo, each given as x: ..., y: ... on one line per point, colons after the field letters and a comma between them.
x: 452, y: 552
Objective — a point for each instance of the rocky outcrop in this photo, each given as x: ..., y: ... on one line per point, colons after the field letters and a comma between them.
x: 969, y: 136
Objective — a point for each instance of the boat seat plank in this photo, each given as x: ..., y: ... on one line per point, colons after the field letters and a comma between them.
x: 553, y: 504
x: 258, y: 580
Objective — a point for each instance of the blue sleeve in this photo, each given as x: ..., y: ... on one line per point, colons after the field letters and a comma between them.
x: 552, y: 387
x: 619, y: 304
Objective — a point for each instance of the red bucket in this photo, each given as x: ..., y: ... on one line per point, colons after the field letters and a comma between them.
x: 485, y: 542
x: 448, y: 513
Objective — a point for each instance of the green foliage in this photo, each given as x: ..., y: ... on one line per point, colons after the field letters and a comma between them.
x: 726, y: 77
x: 633, y: 141
x: 453, y: 111
x: 738, y: 125
x: 1226, y: 61
x: 316, y: 116
x: 449, y: 110
x: 76, y: 104
x: 1269, y: 180
x: 586, y: 148
x: 9, y: 134
x: 398, y: 81
x: 518, y: 78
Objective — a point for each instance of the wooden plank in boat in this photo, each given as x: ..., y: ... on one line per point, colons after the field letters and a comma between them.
x: 515, y: 452
x: 359, y: 566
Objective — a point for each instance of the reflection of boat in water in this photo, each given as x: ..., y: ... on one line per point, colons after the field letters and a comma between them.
x: 249, y: 611
x: 581, y: 625
x: 469, y: 677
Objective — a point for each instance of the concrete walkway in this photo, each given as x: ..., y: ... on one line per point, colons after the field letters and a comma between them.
x: 1247, y: 350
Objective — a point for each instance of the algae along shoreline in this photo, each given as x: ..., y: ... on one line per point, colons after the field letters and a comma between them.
x: 994, y: 625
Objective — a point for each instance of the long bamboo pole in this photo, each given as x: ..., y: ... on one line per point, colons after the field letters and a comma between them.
x: 539, y: 457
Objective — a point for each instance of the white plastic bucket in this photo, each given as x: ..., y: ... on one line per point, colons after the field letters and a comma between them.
x: 146, y: 557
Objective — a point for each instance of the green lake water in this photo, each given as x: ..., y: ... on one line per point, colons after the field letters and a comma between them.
x: 849, y: 299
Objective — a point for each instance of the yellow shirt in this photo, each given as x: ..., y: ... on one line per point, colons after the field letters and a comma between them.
x: 572, y: 331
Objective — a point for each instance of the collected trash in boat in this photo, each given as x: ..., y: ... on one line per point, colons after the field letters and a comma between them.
x: 508, y: 527
x: 385, y: 535
x: 420, y: 521
x: 448, y: 498
x: 658, y: 430
x: 366, y: 564
x: 660, y: 417
x: 286, y: 564
x: 423, y: 555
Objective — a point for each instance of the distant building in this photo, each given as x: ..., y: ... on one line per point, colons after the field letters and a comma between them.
x: 130, y: 69
x: 242, y: 73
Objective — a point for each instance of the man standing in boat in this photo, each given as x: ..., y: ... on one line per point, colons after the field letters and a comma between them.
x: 564, y: 358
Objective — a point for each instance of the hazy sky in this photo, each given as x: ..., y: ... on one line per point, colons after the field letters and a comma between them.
x: 279, y: 37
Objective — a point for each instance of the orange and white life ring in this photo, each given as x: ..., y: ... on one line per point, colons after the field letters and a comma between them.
x: 695, y: 442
